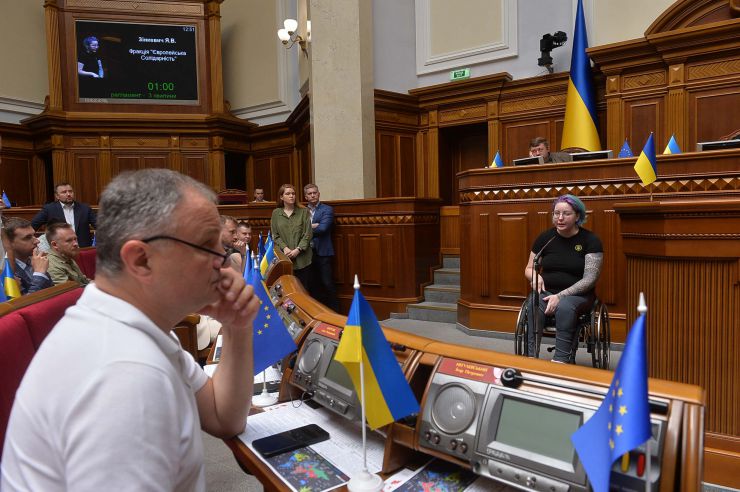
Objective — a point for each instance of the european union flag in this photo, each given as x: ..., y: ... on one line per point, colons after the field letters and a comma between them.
x: 6, y: 200
x: 269, y: 256
x: 646, y: 166
x: 9, y: 288
x: 622, y: 422
x: 625, y: 151
x: 497, y: 162
x: 672, y: 147
x: 388, y: 396
x: 272, y: 341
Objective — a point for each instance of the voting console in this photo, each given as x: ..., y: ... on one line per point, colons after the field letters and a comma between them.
x: 503, y: 416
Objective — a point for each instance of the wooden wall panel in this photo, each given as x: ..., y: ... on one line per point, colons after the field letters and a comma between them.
x: 371, y: 269
x: 195, y: 166
x: 512, y: 252
x: 713, y: 114
x: 15, y: 178
x: 263, y: 177
x: 517, y: 137
x: 155, y: 161
x: 407, y: 165
x: 282, y: 172
x: 86, y: 181
x: 644, y: 116
x: 387, y: 158
x: 450, y: 232
x: 125, y: 162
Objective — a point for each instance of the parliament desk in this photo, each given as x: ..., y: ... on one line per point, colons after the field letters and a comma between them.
x: 475, y: 383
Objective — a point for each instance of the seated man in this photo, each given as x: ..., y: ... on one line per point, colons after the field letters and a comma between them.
x: 63, y: 253
x: 231, y: 244
x: 111, y: 401
x: 259, y: 195
x: 540, y: 146
x: 31, y: 265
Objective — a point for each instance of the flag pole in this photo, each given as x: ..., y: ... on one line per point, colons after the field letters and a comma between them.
x: 364, y: 481
x: 642, y: 309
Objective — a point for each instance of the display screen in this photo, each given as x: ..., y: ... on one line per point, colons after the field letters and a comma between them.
x: 337, y: 374
x: 136, y: 63
x: 537, y: 428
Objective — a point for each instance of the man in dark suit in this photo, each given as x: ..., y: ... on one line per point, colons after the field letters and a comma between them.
x: 79, y: 215
x: 30, y: 264
x: 322, y: 220
x: 540, y: 146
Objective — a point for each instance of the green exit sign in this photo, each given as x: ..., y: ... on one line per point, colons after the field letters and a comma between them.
x: 462, y: 74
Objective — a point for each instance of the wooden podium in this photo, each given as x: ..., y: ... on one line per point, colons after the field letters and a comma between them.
x: 685, y: 257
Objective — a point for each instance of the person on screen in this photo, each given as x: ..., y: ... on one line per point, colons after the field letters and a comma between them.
x: 89, y: 63
x: 539, y: 146
x: 291, y: 232
x: 570, y: 257
x: 111, y: 401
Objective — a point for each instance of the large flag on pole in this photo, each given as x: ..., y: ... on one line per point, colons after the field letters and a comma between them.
x: 388, y: 396
x: 622, y: 422
x: 646, y: 166
x: 271, y: 341
x: 580, y: 128
x: 9, y: 289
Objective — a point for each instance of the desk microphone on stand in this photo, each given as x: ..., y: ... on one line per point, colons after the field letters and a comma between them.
x: 535, y: 299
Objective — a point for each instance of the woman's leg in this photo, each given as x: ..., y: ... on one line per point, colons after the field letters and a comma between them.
x: 566, y: 324
x: 539, y: 316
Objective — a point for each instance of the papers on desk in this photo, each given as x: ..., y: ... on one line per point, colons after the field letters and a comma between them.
x: 272, y: 374
x: 343, y: 449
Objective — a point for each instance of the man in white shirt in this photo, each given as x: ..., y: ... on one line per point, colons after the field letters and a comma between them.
x: 111, y: 401
x: 77, y: 214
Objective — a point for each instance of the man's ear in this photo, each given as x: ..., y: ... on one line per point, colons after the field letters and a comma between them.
x: 135, y: 258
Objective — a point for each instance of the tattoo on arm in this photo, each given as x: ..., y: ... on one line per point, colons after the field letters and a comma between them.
x: 591, y: 271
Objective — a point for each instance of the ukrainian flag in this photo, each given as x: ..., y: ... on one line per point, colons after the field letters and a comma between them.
x: 388, y: 396
x: 497, y: 161
x: 645, y: 166
x: 10, y: 288
x: 268, y: 257
x: 580, y: 127
x: 672, y: 147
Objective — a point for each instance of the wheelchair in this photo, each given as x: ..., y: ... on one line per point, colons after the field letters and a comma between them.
x: 593, y: 333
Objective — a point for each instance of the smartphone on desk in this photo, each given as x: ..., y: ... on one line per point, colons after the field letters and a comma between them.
x: 290, y: 440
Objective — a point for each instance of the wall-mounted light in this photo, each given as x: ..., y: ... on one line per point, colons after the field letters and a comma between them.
x: 288, y: 35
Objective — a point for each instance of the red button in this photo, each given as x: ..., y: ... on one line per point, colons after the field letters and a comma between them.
x: 640, y: 464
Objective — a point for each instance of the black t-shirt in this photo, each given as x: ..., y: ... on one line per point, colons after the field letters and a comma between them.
x: 89, y: 61
x: 564, y: 258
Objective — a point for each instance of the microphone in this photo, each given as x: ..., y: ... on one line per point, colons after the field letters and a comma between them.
x: 539, y: 253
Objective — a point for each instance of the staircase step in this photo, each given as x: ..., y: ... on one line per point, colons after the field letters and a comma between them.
x: 399, y: 315
x: 447, y: 276
x: 442, y: 293
x: 443, y: 312
x: 450, y: 261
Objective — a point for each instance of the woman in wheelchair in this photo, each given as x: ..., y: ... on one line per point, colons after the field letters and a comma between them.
x: 569, y: 265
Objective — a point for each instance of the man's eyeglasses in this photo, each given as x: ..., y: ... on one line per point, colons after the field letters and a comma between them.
x: 562, y: 214
x: 224, y: 256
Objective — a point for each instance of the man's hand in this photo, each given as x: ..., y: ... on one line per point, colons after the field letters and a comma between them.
x: 240, y: 246
x: 314, y: 225
x: 39, y: 261
x: 238, y: 305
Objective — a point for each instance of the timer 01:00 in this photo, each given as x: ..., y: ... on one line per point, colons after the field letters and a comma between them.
x: 160, y: 86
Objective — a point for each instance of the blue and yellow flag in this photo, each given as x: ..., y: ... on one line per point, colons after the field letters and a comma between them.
x: 580, y: 128
x: 268, y: 257
x: 497, y: 161
x: 625, y: 151
x: 645, y: 167
x: 672, y: 147
x: 6, y: 200
x: 248, y: 262
x: 260, y: 248
x: 10, y: 289
x: 622, y: 422
x: 388, y: 396
x: 272, y: 341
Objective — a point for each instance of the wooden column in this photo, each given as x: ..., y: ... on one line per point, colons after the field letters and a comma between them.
x: 53, y: 54
x: 213, y: 16
x: 685, y: 257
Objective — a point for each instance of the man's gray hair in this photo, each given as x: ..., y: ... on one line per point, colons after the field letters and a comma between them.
x: 137, y: 205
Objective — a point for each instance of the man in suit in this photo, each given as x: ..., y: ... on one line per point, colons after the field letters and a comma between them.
x: 31, y: 265
x: 322, y: 220
x: 78, y: 215
x: 540, y: 146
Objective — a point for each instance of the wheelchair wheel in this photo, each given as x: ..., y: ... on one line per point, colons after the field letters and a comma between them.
x: 600, y: 336
x: 520, y: 332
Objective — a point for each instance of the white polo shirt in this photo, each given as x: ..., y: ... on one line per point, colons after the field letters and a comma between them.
x: 107, y: 403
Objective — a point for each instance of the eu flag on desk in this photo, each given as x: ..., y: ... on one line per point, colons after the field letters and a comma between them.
x: 622, y: 422
x: 625, y: 151
x: 672, y: 147
x: 497, y: 161
x: 646, y: 166
x: 580, y: 128
x: 9, y: 289
x: 6, y: 200
x: 388, y: 396
x: 272, y: 341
